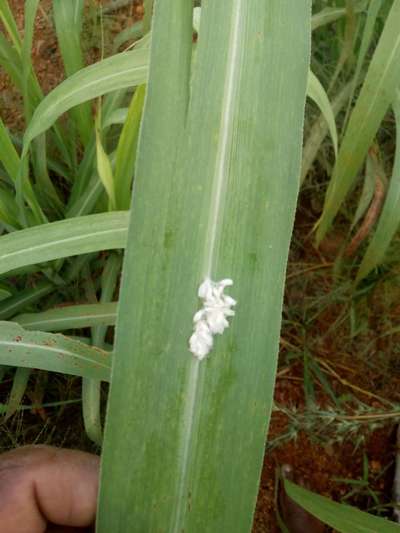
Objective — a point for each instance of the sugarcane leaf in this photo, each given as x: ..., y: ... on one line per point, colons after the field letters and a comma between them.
x: 70, y: 317
x: 116, y: 72
x: 215, y: 191
x: 105, y: 231
x: 56, y: 353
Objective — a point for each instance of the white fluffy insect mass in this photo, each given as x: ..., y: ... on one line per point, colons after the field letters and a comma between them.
x: 212, y: 318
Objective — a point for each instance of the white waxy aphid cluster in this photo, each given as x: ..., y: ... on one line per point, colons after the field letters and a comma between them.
x: 212, y: 318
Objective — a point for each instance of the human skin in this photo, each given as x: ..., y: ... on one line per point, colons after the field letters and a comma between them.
x: 45, y: 489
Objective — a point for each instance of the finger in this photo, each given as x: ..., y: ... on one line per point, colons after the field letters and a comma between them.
x: 65, y: 529
x: 40, y: 484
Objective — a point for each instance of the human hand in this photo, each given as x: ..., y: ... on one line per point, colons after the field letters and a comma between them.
x: 45, y: 489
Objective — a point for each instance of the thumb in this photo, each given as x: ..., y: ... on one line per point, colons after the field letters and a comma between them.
x: 41, y: 484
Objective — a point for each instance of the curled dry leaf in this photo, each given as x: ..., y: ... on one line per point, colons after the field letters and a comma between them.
x: 373, y: 212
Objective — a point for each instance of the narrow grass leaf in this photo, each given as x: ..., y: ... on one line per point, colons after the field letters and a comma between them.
x: 367, y: 193
x: 148, y: 13
x: 131, y: 33
x: 20, y: 382
x: 126, y: 150
x: 8, y: 207
x: 68, y: 18
x: 15, y: 56
x: 10, y: 25
x: 91, y: 388
x: 45, y: 189
x: 319, y: 130
x: 377, y: 94
x: 10, y: 60
x: 118, y: 116
x: 86, y: 171
x: 104, y: 169
x: 25, y: 298
x: 87, y: 202
x: 8, y: 155
x: 318, y: 94
x: 339, y: 516
x: 55, y: 353
x: 332, y: 14
x: 4, y: 293
x: 105, y: 231
x: 348, y: 42
x: 368, y: 34
x: 26, y: 55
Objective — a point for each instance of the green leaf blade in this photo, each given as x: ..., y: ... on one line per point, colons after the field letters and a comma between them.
x: 68, y: 18
x: 225, y: 208
x: 105, y: 231
x: 317, y: 93
x: 343, y: 518
x: 116, y: 72
x: 70, y: 317
x: 45, y: 351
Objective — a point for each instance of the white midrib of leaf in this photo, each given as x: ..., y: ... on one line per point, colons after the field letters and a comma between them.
x: 220, y: 178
